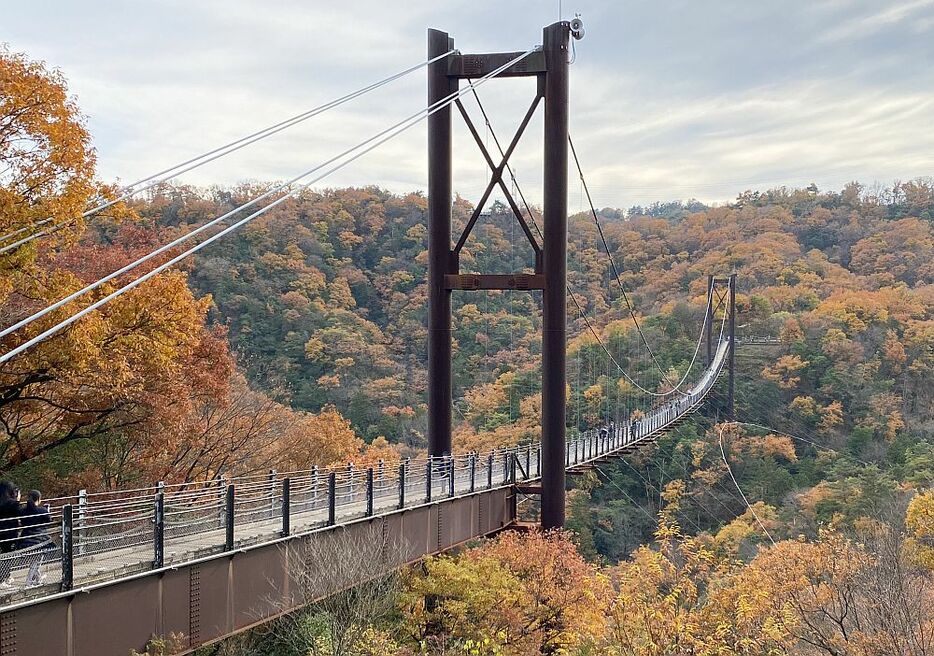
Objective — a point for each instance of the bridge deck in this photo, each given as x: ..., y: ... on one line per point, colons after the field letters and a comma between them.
x: 115, y: 544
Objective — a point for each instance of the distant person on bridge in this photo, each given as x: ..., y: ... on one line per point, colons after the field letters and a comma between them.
x: 34, y: 521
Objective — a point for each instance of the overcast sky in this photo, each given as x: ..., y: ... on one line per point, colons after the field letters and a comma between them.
x: 669, y: 98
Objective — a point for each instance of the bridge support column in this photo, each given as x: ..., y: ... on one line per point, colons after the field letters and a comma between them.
x: 708, y: 320
x: 555, y: 219
x: 439, y: 248
x: 730, y: 410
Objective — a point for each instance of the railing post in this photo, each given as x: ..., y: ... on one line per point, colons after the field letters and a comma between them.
x: 350, y: 486
x: 511, y: 457
x: 272, y: 493
x: 428, y: 479
x: 68, y: 548
x: 82, y: 518
x: 332, y: 498
x: 473, y: 472
x: 230, y: 513
x: 286, y: 506
x: 505, y: 465
x: 369, y: 492
x: 451, y: 479
x: 538, y: 460
x: 528, y: 461
x: 221, y: 491
x: 314, y: 486
x: 489, y: 471
x: 402, y: 484
x: 158, y: 547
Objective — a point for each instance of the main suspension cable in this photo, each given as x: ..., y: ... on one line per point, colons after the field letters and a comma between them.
x: 619, y: 281
x: 740, y: 490
x: 214, y: 154
x: 528, y: 209
x: 374, y: 142
x: 183, y: 238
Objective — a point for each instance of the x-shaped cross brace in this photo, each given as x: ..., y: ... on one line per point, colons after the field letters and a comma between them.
x: 497, y: 179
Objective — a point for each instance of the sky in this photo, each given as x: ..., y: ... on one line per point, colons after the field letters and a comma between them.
x: 670, y: 99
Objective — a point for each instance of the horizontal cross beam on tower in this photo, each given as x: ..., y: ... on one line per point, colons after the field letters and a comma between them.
x: 471, y: 282
x: 462, y: 66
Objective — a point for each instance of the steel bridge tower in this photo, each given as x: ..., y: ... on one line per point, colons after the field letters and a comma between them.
x: 550, y: 66
x: 720, y: 291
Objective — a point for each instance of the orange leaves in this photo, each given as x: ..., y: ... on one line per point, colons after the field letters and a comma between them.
x: 777, y: 446
x: 831, y: 416
x: 841, y: 348
x: 47, y: 156
x: 791, y: 331
x: 784, y: 371
x: 900, y: 251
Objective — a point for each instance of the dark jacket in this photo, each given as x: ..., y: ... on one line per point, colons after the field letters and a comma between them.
x: 9, y: 524
x: 34, y: 521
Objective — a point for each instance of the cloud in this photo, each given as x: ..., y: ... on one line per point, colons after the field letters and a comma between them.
x: 878, y: 20
x: 669, y: 100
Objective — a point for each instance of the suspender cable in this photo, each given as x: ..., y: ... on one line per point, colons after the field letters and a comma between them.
x: 622, y: 287
x: 571, y: 293
x: 619, y: 281
x: 200, y: 160
x: 374, y: 142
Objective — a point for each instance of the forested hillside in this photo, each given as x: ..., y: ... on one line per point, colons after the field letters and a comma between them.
x: 805, y: 526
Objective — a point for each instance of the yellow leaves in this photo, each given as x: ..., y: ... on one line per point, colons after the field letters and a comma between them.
x: 783, y: 371
x: 885, y: 416
x: 311, y: 282
x: 902, y: 250
x: 809, y: 500
x: 314, y: 348
x: 893, y: 352
x: 857, y: 310
x: 733, y: 535
x: 516, y: 594
x: 806, y: 406
x: 624, y: 387
x: 919, y: 520
x: 340, y: 295
x: 593, y: 394
x: 323, y: 439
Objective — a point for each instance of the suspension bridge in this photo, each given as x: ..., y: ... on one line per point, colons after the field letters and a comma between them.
x: 206, y: 559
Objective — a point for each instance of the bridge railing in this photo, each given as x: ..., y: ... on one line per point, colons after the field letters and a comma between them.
x: 104, y: 535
